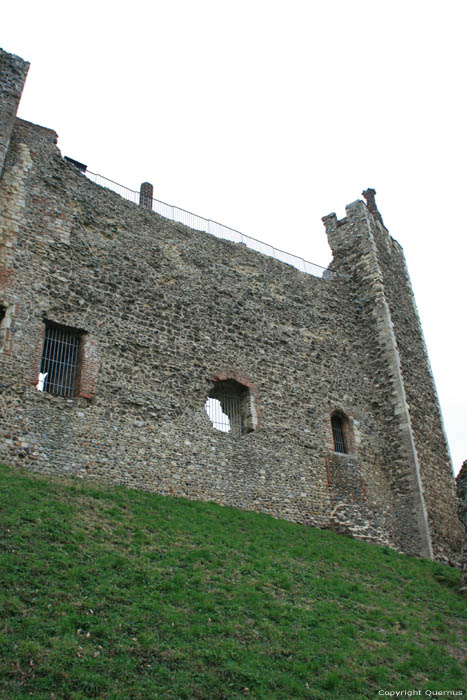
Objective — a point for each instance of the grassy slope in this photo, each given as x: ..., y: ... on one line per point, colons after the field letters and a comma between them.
x: 116, y: 594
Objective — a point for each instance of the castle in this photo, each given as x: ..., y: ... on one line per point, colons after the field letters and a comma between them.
x: 136, y: 350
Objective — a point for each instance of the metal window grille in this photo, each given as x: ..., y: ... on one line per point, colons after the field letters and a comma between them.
x: 59, y: 363
x: 338, y: 434
x: 225, y: 413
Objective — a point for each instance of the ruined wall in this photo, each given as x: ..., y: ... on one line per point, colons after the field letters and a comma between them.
x: 462, y: 513
x: 13, y: 71
x: 420, y: 391
x: 415, y: 461
x: 164, y: 312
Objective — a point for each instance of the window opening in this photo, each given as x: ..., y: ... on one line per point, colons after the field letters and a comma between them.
x: 219, y: 419
x: 227, y: 407
x: 337, y: 424
x: 2, y: 312
x: 60, y: 358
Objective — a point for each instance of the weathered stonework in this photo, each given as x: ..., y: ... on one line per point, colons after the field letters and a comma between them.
x: 462, y: 512
x: 165, y: 312
x: 13, y: 71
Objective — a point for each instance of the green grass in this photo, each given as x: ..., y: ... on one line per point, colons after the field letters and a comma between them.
x: 123, y: 595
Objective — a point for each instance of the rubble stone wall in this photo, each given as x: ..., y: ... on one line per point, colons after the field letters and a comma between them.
x: 462, y: 512
x: 165, y: 311
x: 13, y: 71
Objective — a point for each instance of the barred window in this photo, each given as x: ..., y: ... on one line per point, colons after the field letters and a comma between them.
x: 60, y: 360
x: 229, y: 407
x: 338, y: 433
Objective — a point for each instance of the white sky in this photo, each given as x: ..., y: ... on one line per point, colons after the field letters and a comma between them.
x: 267, y: 115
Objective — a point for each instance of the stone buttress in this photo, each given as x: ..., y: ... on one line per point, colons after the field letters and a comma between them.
x: 417, y: 460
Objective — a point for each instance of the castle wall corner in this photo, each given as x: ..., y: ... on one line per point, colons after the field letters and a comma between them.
x: 418, y: 459
x: 13, y: 72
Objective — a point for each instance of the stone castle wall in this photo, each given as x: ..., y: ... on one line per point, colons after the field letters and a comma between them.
x: 13, y: 71
x: 462, y: 513
x: 165, y: 312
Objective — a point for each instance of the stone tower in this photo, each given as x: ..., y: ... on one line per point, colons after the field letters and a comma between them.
x: 418, y: 459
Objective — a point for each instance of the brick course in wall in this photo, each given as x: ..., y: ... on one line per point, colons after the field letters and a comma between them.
x: 166, y: 311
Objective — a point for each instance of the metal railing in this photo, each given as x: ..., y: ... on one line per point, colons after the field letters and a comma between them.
x: 194, y: 221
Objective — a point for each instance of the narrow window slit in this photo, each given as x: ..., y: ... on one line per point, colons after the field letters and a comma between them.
x: 338, y: 433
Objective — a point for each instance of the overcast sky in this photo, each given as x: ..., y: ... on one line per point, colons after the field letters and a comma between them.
x: 265, y: 116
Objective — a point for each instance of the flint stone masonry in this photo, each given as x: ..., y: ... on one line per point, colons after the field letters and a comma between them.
x: 462, y: 512
x: 13, y: 71
x: 166, y: 311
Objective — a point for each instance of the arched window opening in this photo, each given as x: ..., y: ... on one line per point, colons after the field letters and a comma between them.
x: 230, y: 408
x: 338, y: 423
